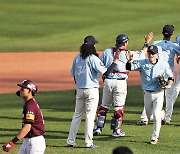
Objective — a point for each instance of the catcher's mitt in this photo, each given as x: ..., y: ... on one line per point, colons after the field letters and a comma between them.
x: 162, y: 82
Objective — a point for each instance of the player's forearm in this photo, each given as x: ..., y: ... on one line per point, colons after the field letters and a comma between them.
x: 23, y: 132
x: 110, y: 69
x: 128, y: 66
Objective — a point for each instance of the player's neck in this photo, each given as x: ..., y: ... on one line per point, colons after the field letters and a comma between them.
x: 154, y: 61
x: 167, y: 38
x: 27, y: 98
x: 122, y: 48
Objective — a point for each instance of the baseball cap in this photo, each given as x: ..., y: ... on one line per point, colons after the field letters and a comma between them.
x: 90, y: 40
x: 152, y: 49
x: 168, y: 29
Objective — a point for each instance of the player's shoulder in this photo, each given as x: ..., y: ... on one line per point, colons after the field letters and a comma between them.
x: 93, y: 58
x: 108, y: 50
x: 157, y: 42
x: 31, y: 102
x: 77, y: 56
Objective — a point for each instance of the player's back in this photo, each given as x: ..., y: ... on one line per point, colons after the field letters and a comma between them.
x: 167, y: 51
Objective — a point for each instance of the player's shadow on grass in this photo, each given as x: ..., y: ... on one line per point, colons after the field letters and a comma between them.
x: 56, y: 108
x: 136, y: 141
x: 9, y: 129
x: 133, y: 112
x: 6, y: 117
x: 108, y: 137
x: 61, y: 135
x: 57, y: 119
x: 65, y: 146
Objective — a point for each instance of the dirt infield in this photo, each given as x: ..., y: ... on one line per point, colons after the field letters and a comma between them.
x: 50, y: 70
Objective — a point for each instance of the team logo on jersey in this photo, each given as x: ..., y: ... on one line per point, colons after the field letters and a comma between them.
x: 30, y: 115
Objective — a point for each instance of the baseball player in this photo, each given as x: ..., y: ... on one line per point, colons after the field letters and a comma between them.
x: 32, y: 122
x: 177, y: 83
x: 150, y: 69
x: 85, y: 69
x: 115, y: 86
x: 167, y: 52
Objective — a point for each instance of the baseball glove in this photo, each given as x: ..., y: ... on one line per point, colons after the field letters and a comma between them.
x: 162, y: 82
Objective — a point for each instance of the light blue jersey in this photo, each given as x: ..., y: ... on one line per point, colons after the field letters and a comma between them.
x: 120, y: 71
x: 167, y: 51
x: 149, y: 73
x: 86, y: 71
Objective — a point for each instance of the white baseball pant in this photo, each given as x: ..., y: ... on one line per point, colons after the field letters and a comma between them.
x: 153, y: 102
x: 114, y: 91
x: 176, y: 87
x: 169, y: 106
x: 34, y: 145
x: 86, y: 102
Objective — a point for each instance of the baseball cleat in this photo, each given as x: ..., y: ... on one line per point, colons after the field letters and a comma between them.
x: 118, y: 133
x: 153, y: 142
x: 92, y: 146
x: 167, y: 121
x: 142, y: 123
x: 163, y: 122
x: 97, y: 131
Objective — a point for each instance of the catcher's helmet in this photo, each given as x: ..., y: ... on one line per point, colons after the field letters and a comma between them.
x: 30, y: 85
x: 121, y: 39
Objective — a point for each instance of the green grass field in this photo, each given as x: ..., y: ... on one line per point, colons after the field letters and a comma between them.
x: 61, y: 25
x: 58, y: 109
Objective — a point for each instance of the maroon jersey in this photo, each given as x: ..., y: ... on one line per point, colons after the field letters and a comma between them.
x: 33, y: 115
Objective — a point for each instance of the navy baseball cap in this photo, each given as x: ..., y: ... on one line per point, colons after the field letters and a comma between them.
x: 168, y: 29
x: 90, y: 40
x: 152, y: 49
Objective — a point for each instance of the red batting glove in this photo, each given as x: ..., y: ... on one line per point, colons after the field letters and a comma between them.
x: 8, y: 146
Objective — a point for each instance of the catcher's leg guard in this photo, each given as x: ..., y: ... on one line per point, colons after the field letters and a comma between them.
x: 101, y: 119
x: 116, y: 121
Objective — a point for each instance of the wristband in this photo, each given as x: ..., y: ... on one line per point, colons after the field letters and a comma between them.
x: 15, y: 140
x: 146, y: 45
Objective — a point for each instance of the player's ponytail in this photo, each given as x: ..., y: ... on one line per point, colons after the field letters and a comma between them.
x: 87, y: 50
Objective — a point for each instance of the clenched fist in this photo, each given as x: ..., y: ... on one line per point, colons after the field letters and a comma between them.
x: 8, y: 146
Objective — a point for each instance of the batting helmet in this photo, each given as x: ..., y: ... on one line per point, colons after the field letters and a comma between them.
x: 29, y: 84
x: 121, y: 39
